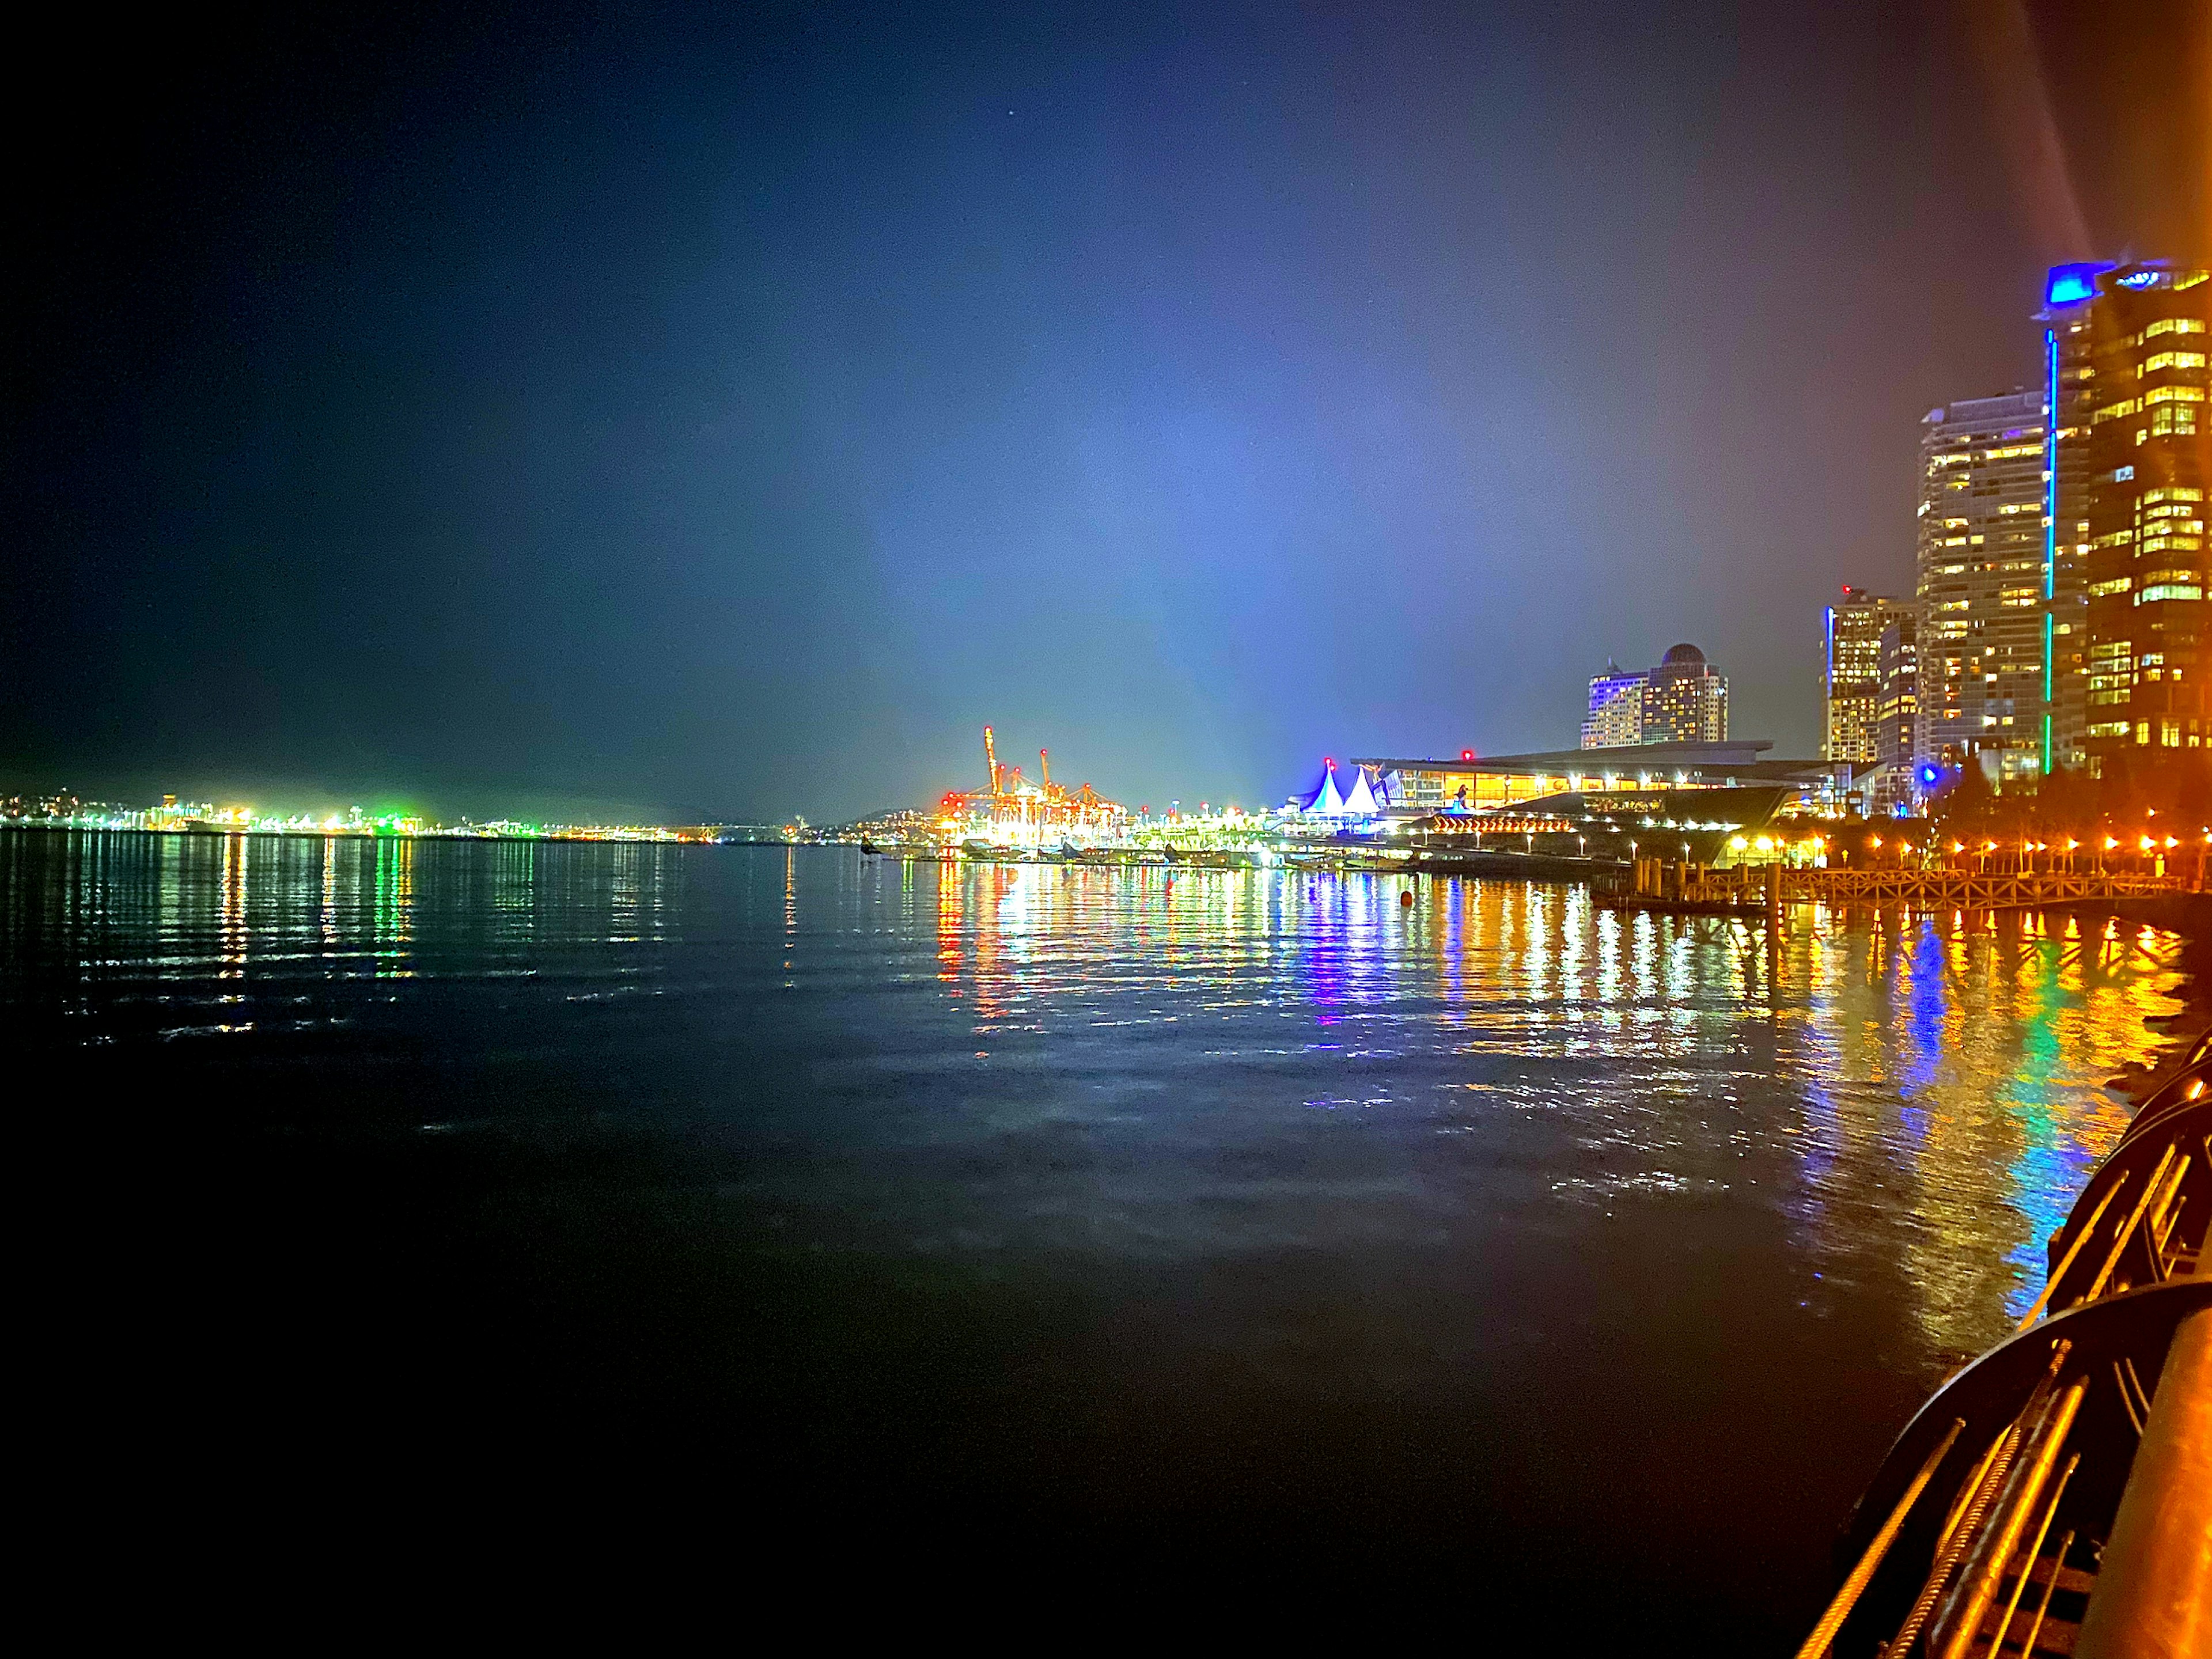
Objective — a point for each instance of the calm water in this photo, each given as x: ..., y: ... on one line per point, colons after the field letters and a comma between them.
x: 1251, y: 1227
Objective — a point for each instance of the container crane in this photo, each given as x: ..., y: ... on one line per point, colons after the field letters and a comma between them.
x: 1012, y: 803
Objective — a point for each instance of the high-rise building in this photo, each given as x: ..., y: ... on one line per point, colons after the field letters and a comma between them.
x: 2068, y: 394
x: 1897, y: 714
x: 2130, y: 461
x: 1616, y: 708
x: 1851, y: 674
x: 1981, y: 589
x: 1685, y: 699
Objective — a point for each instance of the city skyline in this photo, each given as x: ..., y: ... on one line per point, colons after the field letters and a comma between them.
x: 2061, y: 605
x: 735, y: 425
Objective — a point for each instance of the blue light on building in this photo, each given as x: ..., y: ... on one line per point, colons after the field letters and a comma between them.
x: 2050, y: 513
x: 2071, y: 284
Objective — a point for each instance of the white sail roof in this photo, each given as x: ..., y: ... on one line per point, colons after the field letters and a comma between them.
x: 1326, y: 801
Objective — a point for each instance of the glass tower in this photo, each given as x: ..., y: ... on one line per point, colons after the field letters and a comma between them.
x: 1982, y: 591
x: 2130, y: 461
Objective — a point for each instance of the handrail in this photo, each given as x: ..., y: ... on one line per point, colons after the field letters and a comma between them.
x: 2151, y: 1138
x: 1989, y: 1395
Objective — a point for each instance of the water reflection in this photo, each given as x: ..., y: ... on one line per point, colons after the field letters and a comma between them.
x: 1938, y: 1083
x: 1912, y: 1102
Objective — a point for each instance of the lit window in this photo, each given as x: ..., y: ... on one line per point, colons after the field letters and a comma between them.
x: 2172, y: 360
x: 2175, y: 325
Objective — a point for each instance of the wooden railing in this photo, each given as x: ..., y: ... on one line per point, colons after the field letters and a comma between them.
x: 1972, y: 890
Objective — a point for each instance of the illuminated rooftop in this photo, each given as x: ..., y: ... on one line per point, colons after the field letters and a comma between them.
x: 1735, y: 755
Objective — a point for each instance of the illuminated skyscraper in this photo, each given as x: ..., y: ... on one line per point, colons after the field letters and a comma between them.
x: 1897, y: 712
x: 1851, y: 675
x: 1685, y: 699
x: 1616, y: 708
x: 2130, y: 461
x: 1981, y: 589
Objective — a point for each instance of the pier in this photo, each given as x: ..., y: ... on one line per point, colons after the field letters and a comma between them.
x: 1973, y: 889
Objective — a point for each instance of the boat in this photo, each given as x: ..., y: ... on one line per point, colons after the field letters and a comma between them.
x: 2055, y: 1497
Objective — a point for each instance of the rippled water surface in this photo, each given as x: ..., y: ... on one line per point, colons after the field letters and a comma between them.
x: 1490, y: 1227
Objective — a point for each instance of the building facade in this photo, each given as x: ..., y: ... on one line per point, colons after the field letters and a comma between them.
x: 1616, y: 708
x: 1980, y: 592
x: 1495, y: 782
x: 2125, y: 349
x: 1684, y: 700
x: 1897, y: 714
x: 1851, y: 674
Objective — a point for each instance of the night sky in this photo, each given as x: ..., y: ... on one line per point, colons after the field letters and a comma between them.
x: 725, y: 412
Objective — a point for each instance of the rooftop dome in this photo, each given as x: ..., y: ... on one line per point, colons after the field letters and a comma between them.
x: 1682, y: 654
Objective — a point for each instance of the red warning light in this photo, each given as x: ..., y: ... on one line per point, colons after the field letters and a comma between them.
x: 1329, y: 763
x: 1466, y: 754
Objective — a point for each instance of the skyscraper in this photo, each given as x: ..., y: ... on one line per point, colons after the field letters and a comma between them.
x: 1897, y: 713
x: 1616, y: 708
x: 1851, y: 675
x: 2125, y: 349
x: 1685, y: 699
x: 1981, y: 592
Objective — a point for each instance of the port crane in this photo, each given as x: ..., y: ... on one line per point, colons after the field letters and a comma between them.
x: 1009, y: 803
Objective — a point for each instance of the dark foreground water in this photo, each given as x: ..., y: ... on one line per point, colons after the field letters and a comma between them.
x: 1246, y: 1236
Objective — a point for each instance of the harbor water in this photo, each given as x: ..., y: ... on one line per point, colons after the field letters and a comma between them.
x: 1250, y: 1232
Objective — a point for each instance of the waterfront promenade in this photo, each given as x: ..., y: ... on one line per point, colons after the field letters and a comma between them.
x: 1975, y: 890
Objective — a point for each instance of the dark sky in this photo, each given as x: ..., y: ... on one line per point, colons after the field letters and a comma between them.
x: 727, y: 412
